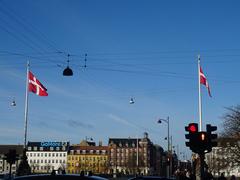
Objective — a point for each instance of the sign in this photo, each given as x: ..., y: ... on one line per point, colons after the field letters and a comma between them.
x: 51, y: 144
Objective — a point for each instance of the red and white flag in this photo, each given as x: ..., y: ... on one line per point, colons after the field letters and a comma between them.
x: 35, y: 86
x: 203, y: 80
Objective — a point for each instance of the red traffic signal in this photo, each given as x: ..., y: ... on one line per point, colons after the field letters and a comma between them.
x: 192, y: 128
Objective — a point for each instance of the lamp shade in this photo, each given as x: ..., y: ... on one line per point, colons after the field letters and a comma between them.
x: 67, y: 71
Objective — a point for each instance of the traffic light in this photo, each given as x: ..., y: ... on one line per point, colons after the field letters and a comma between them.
x: 202, y: 142
x: 11, y: 156
x: 212, y: 137
x: 192, y: 130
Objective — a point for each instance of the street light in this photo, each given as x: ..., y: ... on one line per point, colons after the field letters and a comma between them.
x: 166, y: 121
x: 168, y: 139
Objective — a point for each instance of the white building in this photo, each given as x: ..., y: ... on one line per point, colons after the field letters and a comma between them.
x: 43, y: 157
x: 223, y: 158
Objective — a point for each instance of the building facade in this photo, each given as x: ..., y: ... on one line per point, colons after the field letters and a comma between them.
x: 225, y: 157
x: 43, y: 157
x: 87, y: 157
x: 4, y: 166
x: 131, y: 155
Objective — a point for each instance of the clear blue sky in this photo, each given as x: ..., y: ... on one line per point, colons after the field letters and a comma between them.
x: 141, y: 49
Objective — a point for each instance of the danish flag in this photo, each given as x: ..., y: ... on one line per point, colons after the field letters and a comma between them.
x: 35, y: 86
x: 203, y: 80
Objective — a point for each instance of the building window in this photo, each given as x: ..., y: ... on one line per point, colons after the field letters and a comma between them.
x: 57, y: 148
x: 51, y: 148
x: 35, y: 148
x: 41, y: 148
x: 49, y: 155
x: 45, y: 154
x: 29, y: 148
x: 45, y: 161
x: 53, y: 154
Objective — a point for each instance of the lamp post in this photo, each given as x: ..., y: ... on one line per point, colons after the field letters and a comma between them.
x: 168, y: 139
x: 166, y: 121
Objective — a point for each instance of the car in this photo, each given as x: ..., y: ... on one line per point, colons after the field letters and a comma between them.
x: 150, y: 178
x: 59, y: 177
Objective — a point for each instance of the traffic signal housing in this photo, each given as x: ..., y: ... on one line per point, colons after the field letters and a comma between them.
x: 212, y: 137
x: 192, y: 130
x: 11, y: 156
x: 200, y: 141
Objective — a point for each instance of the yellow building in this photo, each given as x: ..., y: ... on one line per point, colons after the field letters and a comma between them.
x: 86, y: 157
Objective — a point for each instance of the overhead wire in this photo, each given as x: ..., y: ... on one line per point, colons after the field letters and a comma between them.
x: 25, y: 39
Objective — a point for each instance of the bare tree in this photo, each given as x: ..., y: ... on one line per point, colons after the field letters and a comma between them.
x: 231, y: 122
x: 231, y: 131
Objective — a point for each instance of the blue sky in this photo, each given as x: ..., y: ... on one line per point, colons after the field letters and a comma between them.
x: 141, y: 49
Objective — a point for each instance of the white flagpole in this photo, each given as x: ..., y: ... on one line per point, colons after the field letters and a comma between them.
x: 26, y: 107
x: 199, y: 96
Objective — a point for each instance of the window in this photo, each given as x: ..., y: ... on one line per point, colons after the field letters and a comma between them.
x: 60, y: 161
x: 57, y: 148
x: 53, y: 161
x: 53, y: 154
x: 38, y: 154
x: 29, y: 148
x: 41, y: 161
x: 45, y: 161
x: 49, y: 155
x: 41, y: 148
x: 60, y: 154
x: 56, y: 161
x: 35, y: 148
x: 51, y: 148
x: 45, y: 154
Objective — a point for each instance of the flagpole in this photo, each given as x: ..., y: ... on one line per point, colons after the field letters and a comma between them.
x: 26, y: 107
x: 199, y: 96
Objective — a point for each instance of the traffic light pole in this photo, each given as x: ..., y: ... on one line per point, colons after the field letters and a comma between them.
x: 202, y: 157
